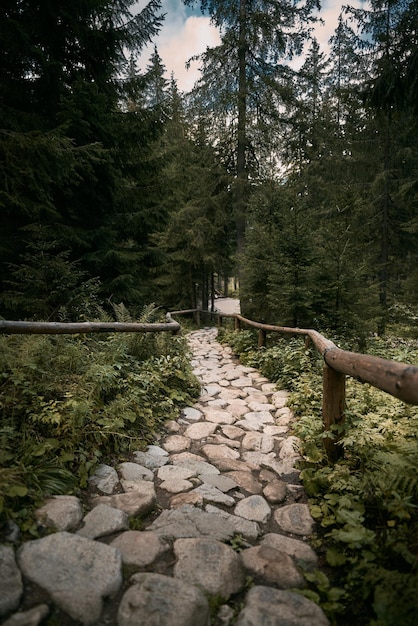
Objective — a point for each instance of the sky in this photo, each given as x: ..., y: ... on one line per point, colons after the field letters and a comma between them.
x: 186, y: 32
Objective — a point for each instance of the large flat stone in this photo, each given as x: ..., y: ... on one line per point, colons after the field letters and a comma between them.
x: 188, y: 521
x: 103, y: 520
x: 139, y: 548
x: 157, y: 600
x: 275, y: 607
x: 133, y: 503
x: 295, y: 548
x: 209, y: 564
x: 295, y: 519
x: 78, y: 573
x: 272, y: 566
x: 105, y: 479
x: 253, y: 508
x: 61, y: 513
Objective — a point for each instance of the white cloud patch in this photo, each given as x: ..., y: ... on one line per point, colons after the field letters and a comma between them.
x: 177, y: 46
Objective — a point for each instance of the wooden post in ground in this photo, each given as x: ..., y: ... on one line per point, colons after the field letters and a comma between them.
x: 333, y: 405
x: 262, y: 338
x: 220, y: 320
x: 237, y: 324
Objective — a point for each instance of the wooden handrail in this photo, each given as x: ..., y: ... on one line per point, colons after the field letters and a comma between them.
x: 71, y: 328
x: 397, y: 379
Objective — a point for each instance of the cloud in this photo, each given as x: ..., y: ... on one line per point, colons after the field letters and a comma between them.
x: 176, y: 46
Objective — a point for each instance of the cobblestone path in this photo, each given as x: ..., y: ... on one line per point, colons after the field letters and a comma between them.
x: 210, y: 526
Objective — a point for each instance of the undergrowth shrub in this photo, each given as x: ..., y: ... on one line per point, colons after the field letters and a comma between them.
x: 68, y: 402
x: 366, y: 504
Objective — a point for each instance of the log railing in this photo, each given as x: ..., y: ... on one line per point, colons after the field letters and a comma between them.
x: 72, y: 328
x: 397, y: 379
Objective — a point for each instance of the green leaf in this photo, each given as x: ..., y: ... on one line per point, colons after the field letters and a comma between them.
x: 335, y: 558
x: 17, y: 491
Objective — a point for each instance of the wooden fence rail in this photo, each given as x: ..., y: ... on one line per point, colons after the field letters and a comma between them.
x: 398, y: 379
x: 72, y: 328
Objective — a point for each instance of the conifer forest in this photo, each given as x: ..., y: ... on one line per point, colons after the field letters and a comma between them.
x: 301, y: 183
x: 287, y: 176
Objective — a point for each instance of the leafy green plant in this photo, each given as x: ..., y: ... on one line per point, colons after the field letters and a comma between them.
x: 68, y: 402
x: 366, y: 505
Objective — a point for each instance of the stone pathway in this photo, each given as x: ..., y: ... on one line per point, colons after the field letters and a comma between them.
x: 210, y: 526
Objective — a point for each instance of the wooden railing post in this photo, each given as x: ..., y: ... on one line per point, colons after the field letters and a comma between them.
x: 237, y: 324
x: 220, y: 320
x: 197, y: 318
x: 333, y: 405
x: 262, y: 338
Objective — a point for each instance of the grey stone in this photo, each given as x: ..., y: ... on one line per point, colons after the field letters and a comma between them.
x: 11, y: 586
x: 272, y: 566
x: 175, y: 485
x: 103, y: 520
x: 220, y: 440
x: 245, y: 481
x: 209, y: 564
x: 263, y: 417
x: 189, y: 498
x: 238, y: 408
x: 294, y: 519
x: 61, y: 513
x: 261, y: 406
x: 200, y: 430
x: 211, y: 390
x: 105, y: 479
x: 219, y: 453
x: 275, y: 491
x: 253, y: 508
x: 133, y: 472
x: 217, y: 416
x: 132, y: 503
x: 240, y: 526
x: 199, y: 467
x: 279, y: 399
x: 289, y: 448
x: 259, y: 442
x: 233, y: 432
x: 274, y: 607
x: 76, y: 572
x: 212, y: 494
x: 220, y: 481
x: 139, y: 548
x: 295, y: 548
x: 174, y: 472
x: 153, y: 457
x: 242, y: 381
x: 157, y: 600
x: 176, y: 443
x: 32, y: 617
x: 230, y: 394
x: 188, y: 521
x: 172, y: 426
x: 260, y: 459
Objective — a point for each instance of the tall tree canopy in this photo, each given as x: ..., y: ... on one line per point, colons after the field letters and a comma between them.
x: 244, y: 81
x: 63, y: 165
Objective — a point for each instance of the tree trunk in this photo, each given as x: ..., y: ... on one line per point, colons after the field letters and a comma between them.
x: 242, y: 174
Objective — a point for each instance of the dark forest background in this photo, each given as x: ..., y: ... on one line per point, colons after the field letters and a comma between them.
x: 303, y: 185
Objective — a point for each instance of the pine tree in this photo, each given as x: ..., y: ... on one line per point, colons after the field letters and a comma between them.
x: 242, y: 82
x: 61, y: 123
